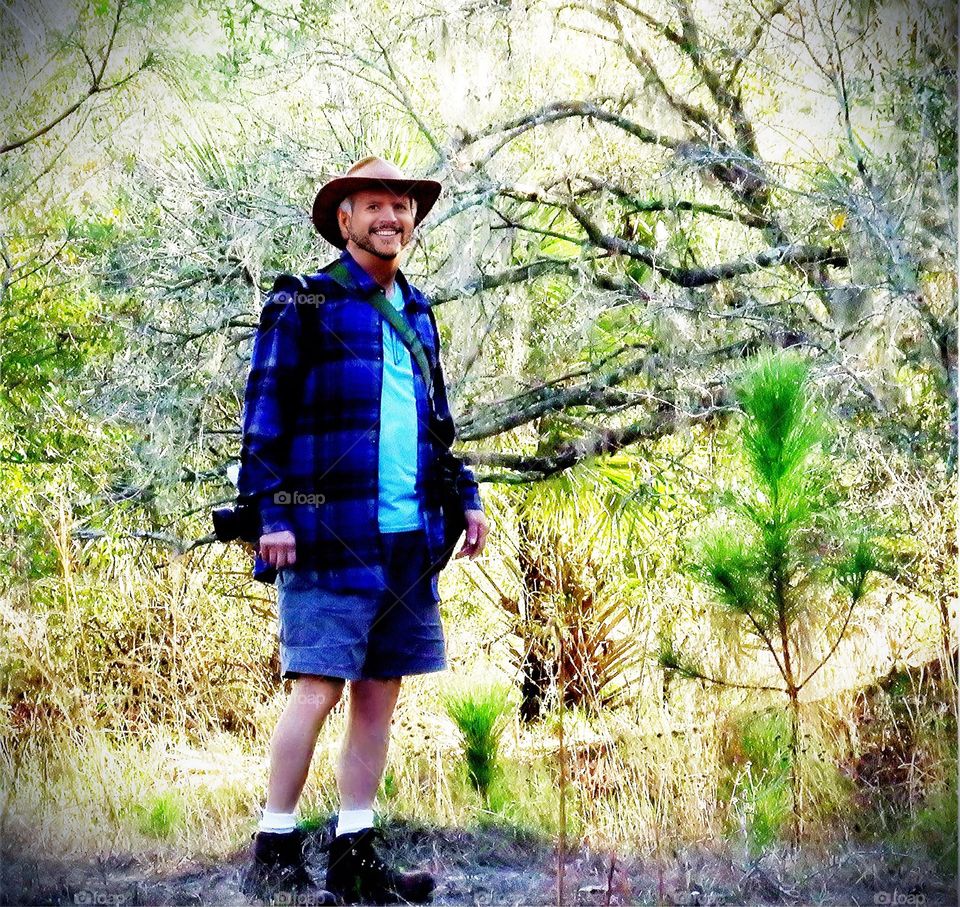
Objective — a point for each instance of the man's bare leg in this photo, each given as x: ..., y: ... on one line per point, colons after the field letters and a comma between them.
x: 353, y: 865
x: 295, y: 738
x: 364, y: 753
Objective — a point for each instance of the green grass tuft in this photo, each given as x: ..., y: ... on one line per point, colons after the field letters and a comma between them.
x: 758, y: 777
x: 479, y: 715
x: 162, y: 816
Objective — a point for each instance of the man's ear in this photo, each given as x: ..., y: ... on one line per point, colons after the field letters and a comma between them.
x: 342, y: 222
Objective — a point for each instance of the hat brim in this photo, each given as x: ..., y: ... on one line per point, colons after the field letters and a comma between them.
x: 331, y: 194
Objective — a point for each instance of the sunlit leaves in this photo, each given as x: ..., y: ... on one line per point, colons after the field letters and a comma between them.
x: 779, y: 533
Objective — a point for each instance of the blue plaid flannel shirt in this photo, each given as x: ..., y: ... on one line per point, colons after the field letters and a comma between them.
x: 311, y: 414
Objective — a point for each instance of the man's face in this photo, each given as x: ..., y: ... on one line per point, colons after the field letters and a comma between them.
x: 380, y: 223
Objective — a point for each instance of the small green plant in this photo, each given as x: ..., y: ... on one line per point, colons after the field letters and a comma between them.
x: 314, y: 821
x: 758, y: 779
x: 770, y: 812
x: 161, y: 817
x: 390, y: 784
x: 935, y: 825
x: 479, y: 715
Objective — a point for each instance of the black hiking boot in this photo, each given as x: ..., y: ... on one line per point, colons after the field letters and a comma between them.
x: 356, y: 873
x: 278, y: 867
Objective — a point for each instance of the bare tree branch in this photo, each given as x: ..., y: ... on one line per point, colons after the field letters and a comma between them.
x: 561, y: 110
x: 97, y: 86
x: 533, y: 404
x: 605, y: 440
x: 792, y: 254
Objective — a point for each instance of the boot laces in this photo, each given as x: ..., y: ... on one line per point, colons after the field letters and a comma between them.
x: 369, y: 835
x: 363, y: 848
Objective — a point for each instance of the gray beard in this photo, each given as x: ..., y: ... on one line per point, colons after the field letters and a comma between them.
x: 368, y: 246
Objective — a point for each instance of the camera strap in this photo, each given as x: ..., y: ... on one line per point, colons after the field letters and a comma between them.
x: 407, y: 334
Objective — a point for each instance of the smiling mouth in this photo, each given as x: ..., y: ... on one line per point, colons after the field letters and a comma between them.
x: 386, y: 233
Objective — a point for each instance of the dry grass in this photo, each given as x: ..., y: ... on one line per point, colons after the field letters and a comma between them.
x: 139, y: 702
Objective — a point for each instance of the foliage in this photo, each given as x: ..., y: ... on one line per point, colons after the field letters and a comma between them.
x: 572, y: 620
x: 638, y: 199
x: 935, y: 824
x: 904, y: 758
x: 758, y: 780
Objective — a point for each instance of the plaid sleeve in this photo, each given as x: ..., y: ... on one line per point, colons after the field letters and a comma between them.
x: 466, y: 481
x: 274, y: 365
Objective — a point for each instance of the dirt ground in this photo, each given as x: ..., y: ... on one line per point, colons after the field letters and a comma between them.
x: 490, y: 866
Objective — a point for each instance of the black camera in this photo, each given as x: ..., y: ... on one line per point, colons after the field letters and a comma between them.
x: 242, y: 521
x: 442, y: 431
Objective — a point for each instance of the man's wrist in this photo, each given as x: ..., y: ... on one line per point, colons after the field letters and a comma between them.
x: 274, y: 517
x: 470, y: 498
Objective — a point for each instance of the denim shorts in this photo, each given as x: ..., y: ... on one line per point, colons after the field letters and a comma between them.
x: 357, y: 637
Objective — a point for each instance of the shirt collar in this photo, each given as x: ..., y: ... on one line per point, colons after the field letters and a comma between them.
x: 364, y: 284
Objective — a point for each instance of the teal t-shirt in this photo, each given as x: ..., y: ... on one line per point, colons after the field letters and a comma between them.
x: 399, y: 508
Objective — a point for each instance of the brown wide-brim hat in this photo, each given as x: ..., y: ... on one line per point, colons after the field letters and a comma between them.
x: 370, y: 173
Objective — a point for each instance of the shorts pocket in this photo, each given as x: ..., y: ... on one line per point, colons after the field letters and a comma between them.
x: 290, y: 578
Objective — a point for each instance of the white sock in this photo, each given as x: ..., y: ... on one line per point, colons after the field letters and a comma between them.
x: 351, y: 820
x: 277, y: 822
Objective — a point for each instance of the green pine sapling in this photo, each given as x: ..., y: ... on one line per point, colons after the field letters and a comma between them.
x: 786, y: 560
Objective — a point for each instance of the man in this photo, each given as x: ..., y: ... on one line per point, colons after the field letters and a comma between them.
x: 341, y: 437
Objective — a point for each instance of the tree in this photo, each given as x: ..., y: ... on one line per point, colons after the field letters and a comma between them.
x: 783, y: 561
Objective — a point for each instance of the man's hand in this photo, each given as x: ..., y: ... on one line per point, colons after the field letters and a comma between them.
x: 279, y: 549
x: 477, y: 530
